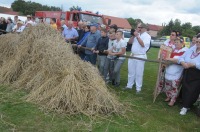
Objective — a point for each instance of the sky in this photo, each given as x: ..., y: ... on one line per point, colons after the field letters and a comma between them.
x: 149, y: 11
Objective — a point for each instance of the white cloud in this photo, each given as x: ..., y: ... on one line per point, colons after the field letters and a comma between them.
x: 150, y: 11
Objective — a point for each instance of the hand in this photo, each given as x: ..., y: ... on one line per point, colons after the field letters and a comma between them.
x: 79, y: 46
x: 185, y: 65
x: 136, y: 34
x: 190, y: 65
x: 97, y: 52
x: 92, y: 49
x: 67, y: 39
x: 106, y: 51
x: 111, y: 53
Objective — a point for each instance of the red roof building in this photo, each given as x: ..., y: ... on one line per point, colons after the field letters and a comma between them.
x: 8, y: 11
x: 120, y: 22
x: 154, y: 29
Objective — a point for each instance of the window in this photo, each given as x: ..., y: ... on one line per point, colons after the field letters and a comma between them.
x: 91, y: 18
x: 127, y: 34
x: 76, y: 17
x: 63, y: 16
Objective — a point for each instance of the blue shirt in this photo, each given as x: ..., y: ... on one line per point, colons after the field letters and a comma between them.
x: 84, y: 37
x: 70, y: 33
x: 91, y: 41
x: 190, y: 56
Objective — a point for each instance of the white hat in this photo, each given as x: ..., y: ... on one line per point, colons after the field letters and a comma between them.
x: 20, y: 22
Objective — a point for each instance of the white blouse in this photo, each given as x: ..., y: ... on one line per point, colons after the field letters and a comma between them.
x: 174, y: 71
x: 190, y: 56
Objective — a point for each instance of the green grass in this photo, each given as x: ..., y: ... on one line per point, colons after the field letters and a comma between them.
x: 18, y: 115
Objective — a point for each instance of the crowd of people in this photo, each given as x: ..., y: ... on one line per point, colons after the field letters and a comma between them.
x: 106, y: 48
x: 16, y: 25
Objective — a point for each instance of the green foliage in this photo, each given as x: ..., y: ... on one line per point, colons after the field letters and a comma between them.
x: 185, y: 29
x: 134, y: 22
x: 75, y: 8
x: 196, y: 29
x: 29, y: 8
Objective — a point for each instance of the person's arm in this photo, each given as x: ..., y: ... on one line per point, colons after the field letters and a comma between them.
x: 137, y: 35
x: 140, y: 41
x: 84, y: 37
x: 181, y: 59
x: 123, y: 50
x: 172, y: 60
x: 130, y: 41
x: 84, y: 41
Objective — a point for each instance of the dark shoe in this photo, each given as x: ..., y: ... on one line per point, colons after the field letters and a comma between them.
x: 117, y: 84
x: 113, y: 82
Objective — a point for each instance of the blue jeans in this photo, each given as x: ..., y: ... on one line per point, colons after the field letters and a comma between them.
x: 101, y: 63
x: 92, y: 58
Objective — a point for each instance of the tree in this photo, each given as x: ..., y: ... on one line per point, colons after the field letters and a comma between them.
x: 18, y: 5
x: 29, y: 8
x: 185, y: 29
x: 75, y: 8
x: 134, y: 22
x: 196, y: 29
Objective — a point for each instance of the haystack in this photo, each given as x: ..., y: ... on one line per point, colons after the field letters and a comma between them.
x: 40, y: 61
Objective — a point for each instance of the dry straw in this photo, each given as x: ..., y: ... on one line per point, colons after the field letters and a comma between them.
x: 40, y: 61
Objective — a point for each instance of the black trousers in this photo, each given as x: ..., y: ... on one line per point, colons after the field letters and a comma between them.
x: 190, y: 86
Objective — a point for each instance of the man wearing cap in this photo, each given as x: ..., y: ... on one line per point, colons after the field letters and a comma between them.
x: 141, y: 44
x: 91, y: 42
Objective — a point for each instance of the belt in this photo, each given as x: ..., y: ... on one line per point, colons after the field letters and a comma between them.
x: 132, y: 54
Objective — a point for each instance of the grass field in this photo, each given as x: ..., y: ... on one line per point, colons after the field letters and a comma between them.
x: 20, y: 116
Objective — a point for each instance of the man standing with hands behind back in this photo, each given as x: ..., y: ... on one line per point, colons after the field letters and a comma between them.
x: 141, y: 44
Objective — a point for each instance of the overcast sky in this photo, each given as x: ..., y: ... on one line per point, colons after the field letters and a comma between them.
x: 149, y: 11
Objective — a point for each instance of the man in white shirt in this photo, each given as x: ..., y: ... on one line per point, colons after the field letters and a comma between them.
x: 141, y: 44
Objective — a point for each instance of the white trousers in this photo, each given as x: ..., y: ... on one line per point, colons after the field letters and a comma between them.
x: 135, y: 72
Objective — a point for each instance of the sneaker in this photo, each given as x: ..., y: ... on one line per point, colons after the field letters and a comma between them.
x: 137, y: 92
x: 183, y: 111
x: 126, y: 88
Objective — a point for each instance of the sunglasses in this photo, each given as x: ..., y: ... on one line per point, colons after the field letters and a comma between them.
x: 172, y: 34
x: 139, y: 27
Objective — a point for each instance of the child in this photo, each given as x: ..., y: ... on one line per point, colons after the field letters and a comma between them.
x: 174, y: 72
x: 119, y: 48
x: 101, y: 46
x: 108, y: 68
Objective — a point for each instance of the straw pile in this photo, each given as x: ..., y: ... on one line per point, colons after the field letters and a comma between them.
x: 40, y: 61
